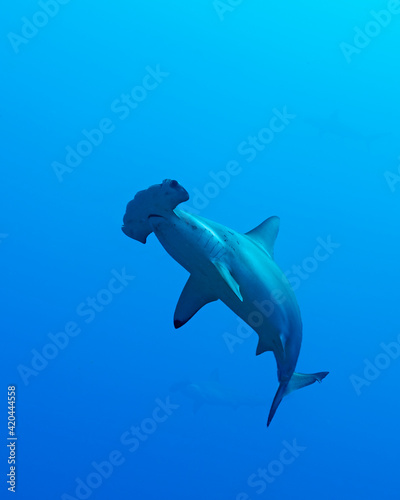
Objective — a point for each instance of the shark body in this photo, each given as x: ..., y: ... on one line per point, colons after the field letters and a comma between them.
x: 238, y: 269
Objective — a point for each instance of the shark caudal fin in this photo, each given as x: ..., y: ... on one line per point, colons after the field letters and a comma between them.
x: 297, y: 381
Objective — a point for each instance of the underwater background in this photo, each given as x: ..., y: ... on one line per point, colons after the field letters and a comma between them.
x: 258, y: 109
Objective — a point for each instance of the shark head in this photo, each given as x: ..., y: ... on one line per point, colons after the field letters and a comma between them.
x: 156, y: 202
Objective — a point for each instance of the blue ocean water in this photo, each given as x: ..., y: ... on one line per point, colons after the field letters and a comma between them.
x: 257, y: 109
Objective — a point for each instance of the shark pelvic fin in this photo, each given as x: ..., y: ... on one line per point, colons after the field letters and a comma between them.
x: 228, y: 278
x: 194, y: 296
x: 265, y: 234
x: 297, y: 381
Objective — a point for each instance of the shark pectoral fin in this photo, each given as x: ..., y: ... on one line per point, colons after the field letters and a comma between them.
x: 228, y: 278
x: 193, y: 297
x: 265, y: 234
x: 297, y: 381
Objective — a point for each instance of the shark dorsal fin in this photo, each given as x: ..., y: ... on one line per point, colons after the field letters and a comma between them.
x: 265, y: 234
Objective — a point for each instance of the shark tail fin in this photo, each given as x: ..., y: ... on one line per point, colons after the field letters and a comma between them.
x: 297, y: 381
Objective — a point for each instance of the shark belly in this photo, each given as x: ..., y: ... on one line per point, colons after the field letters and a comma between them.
x: 268, y: 302
x: 192, y: 244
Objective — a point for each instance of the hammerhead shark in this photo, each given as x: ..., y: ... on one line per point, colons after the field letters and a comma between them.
x: 238, y: 269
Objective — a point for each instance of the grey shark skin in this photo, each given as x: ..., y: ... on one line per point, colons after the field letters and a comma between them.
x: 213, y: 393
x: 238, y: 269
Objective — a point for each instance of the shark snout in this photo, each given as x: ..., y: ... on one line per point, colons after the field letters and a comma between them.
x: 126, y: 223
